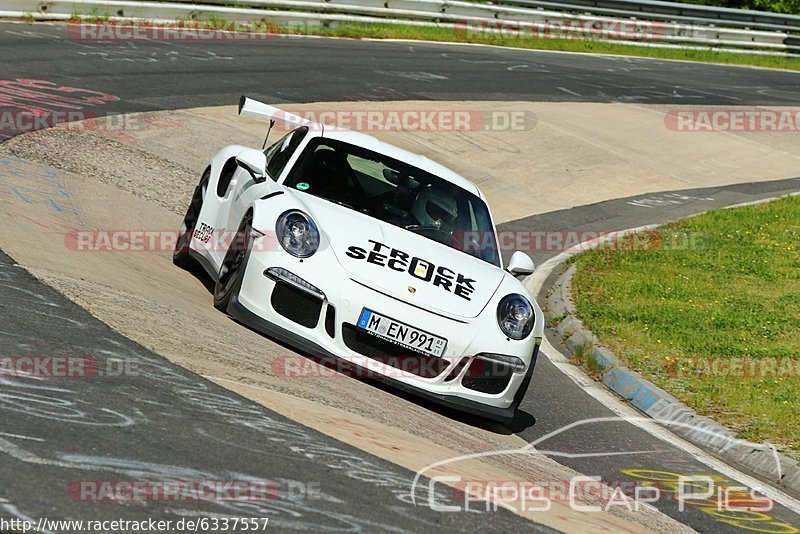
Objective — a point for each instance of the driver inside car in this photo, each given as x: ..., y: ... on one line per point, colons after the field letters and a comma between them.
x: 435, y: 208
x: 330, y: 174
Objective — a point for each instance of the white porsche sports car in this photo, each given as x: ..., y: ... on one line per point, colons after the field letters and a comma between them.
x: 353, y: 249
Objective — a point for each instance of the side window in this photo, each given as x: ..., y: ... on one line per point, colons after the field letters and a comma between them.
x: 278, y: 154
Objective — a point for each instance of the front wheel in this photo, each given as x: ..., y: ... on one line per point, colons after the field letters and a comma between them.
x: 232, y: 269
x: 181, y: 256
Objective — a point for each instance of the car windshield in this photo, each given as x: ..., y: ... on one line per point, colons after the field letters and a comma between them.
x: 396, y: 193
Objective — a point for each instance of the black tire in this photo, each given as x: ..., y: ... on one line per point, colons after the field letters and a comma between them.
x: 232, y: 269
x: 181, y: 256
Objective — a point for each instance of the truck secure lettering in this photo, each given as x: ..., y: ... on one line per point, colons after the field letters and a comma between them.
x: 421, y: 269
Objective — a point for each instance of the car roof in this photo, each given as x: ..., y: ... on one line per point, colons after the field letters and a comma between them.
x: 376, y: 145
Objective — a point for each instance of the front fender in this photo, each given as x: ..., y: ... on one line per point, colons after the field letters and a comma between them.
x: 218, y: 162
x: 215, y: 209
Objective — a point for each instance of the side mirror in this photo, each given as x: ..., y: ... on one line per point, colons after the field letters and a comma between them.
x: 254, y: 162
x: 520, y: 264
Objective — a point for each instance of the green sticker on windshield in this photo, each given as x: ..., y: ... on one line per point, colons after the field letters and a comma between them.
x: 302, y: 186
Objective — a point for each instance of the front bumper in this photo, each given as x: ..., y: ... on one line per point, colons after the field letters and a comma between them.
x: 313, y: 331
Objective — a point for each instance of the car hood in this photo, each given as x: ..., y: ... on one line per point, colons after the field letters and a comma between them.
x: 401, y: 264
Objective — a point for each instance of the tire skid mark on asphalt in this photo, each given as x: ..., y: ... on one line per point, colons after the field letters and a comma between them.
x: 53, y: 403
x: 289, y: 507
x: 233, y: 411
x: 197, y: 397
x: 73, y: 404
x: 17, y: 436
x: 15, y: 512
x: 375, y: 437
x: 75, y: 323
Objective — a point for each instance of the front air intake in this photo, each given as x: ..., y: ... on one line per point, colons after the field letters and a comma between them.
x: 296, y: 304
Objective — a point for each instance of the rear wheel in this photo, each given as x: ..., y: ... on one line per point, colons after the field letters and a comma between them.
x: 232, y: 269
x: 181, y: 256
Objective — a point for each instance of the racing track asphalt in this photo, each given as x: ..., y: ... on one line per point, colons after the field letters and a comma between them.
x: 149, y: 76
x: 143, y: 418
x: 153, y: 76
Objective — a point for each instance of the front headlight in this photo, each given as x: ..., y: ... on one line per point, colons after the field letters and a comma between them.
x: 297, y: 234
x: 515, y: 316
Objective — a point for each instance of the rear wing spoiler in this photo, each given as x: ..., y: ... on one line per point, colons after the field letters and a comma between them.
x: 249, y: 106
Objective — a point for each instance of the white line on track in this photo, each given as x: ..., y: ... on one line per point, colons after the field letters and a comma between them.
x: 20, y: 437
x: 564, y: 89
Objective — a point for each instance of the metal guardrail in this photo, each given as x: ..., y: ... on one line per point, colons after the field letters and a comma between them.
x: 668, y: 25
x: 672, y: 11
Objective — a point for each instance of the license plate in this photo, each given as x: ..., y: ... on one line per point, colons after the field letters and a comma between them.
x: 401, y: 333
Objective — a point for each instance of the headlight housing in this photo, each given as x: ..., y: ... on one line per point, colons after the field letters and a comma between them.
x: 297, y: 233
x: 515, y: 316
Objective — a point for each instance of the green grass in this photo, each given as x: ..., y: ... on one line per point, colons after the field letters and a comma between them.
x: 721, y: 286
